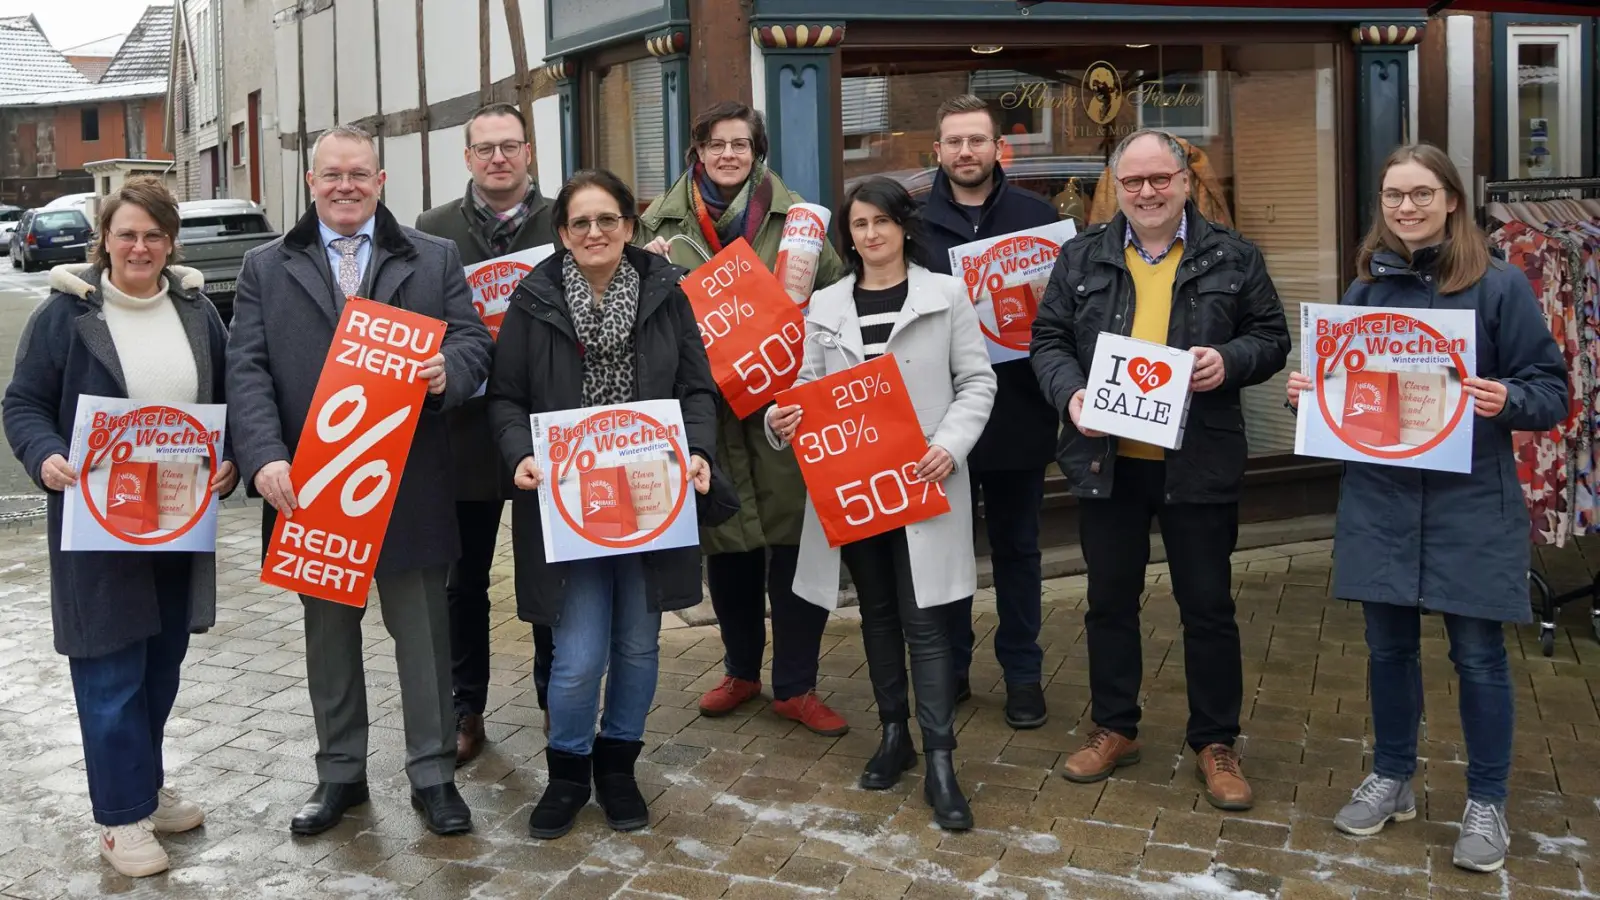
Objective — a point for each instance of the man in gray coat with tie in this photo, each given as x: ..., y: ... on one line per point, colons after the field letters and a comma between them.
x: 291, y: 294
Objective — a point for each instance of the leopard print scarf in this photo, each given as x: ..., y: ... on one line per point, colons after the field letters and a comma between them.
x: 605, y: 332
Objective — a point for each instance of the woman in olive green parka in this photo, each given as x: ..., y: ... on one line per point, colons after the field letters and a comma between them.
x: 729, y: 193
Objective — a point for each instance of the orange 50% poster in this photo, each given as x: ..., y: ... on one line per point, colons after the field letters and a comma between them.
x: 858, y: 446
x: 751, y: 329
x: 353, y: 452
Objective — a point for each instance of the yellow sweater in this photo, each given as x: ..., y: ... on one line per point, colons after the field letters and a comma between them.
x: 1152, y: 311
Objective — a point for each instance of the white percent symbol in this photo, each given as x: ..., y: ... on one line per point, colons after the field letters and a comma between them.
x: 332, y: 432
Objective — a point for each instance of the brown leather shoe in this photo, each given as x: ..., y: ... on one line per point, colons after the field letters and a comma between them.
x: 469, y: 738
x: 1104, y: 752
x: 1218, y: 766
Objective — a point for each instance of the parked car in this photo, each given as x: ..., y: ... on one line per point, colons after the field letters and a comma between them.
x: 9, y: 215
x: 46, y: 236
x: 214, y: 236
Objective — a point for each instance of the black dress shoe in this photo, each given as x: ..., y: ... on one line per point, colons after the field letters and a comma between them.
x: 327, y: 806
x: 1025, y: 706
x: 963, y: 689
x: 939, y: 788
x: 443, y: 810
x: 895, y: 756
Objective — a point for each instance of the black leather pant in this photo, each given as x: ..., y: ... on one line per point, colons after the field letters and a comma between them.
x: 891, y: 622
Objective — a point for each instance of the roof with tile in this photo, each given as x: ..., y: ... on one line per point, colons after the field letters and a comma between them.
x: 146, y: 50
x: 28, y: 64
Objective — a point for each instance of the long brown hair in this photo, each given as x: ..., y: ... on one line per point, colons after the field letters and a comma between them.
x: 148, y: 193
x: 1464, y: 255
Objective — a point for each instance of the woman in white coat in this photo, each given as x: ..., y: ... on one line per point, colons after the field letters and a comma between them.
x: 892, y: 305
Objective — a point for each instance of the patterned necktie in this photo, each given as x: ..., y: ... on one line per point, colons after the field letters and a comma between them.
x: 349, y: 270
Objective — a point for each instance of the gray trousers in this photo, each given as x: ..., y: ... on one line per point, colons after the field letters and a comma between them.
x: 416, y: 613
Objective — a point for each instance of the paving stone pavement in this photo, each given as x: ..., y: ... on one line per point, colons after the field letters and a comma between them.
x: 751, y: 806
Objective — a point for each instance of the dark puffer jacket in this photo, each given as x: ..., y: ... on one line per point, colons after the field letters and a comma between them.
x: 1222, y: 297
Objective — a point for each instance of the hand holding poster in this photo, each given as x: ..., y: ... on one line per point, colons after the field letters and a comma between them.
x: 145, y: 473
x: 493, y: 281
x: 858, y: 447
x: 752, y: 331
x: 354, y: 449
x: 615, y: 480
x: 1006, y: 277
x: 1386, y: 385
x: 805, y: 234
x: 1138, y: 390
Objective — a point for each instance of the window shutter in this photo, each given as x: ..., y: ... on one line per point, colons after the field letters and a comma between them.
x: 864, y: 103
x: 1285, y: 200
x: 649, y: 129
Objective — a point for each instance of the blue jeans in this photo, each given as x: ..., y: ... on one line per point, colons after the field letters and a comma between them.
x: 124, y: 698
x: 1477, y: 647
x: 1011, y: 504
x: 606, y: 629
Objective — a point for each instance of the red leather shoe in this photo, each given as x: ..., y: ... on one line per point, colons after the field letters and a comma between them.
x: 727, y: 696
x: 810, y: 711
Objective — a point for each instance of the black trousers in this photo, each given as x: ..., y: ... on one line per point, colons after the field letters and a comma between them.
x: 478, y: 522
x: 891, y: 622
x: 737, y: 582
x: 1011, y: 504
x: 1199, y: 538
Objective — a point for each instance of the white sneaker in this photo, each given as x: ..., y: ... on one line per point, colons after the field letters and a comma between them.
x: 174, y: 814
x: 133, y: 849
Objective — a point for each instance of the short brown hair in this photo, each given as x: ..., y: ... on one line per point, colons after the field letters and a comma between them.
x: 150, y: 194
x: 700, y: 131
x: 495, y: 109
x: 1464, y: 255
x: 963, y: 103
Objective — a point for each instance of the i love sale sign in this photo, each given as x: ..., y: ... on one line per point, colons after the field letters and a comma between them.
x: 752, y: 330
x: 1138, y: 390
x: 348, y: 464
x: 858, y: 447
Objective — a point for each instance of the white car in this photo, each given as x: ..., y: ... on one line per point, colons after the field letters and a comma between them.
x: 8, y: 224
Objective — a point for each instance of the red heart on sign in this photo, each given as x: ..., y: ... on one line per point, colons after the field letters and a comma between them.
x: 1147, y: 375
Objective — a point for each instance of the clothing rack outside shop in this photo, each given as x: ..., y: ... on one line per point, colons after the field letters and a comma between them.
x: 1558, y: 248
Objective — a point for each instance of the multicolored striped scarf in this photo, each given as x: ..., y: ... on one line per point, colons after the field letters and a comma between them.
x: 720, y: 222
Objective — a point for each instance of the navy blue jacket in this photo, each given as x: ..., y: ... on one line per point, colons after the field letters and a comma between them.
x: 1450, y: 542
x: 1021, y: 433
x: 101, y: 601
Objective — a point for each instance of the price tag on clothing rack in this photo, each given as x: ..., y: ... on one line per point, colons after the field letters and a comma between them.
x: 751, y: 329
x: 858, y: 447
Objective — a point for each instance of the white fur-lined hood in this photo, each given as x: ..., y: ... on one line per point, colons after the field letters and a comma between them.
x: 67, y: 279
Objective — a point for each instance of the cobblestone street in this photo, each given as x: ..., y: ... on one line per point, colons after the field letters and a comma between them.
x: 752, y: 806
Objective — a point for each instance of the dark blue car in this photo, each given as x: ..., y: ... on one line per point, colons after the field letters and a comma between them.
x: 48, y: 236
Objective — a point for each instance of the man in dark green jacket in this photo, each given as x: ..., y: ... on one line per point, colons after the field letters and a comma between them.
x: 501, y: 213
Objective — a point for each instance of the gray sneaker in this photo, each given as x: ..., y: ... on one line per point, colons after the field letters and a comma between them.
x: 1374, y: 803
x: 1484, y: 837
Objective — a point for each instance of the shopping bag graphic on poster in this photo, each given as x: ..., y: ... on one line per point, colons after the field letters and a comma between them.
x: 858, y: 447
x: 751, y: 329
x: 615, y: 480
x: 1387, y: 385
x: 1138, y: 390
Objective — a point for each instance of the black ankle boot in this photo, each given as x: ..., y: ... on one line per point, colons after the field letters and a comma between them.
x: 895, y: 755
x: 939, y: 787
x: 565, y: 795
x: 615, y: 788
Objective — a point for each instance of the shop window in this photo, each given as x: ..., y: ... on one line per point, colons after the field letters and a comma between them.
x: 90, y: 118
x: 632, y: 127
x: 1544, y: 123
x: 1261, y: 118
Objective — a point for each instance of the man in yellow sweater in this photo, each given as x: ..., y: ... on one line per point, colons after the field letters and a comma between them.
x: 1159, y: 272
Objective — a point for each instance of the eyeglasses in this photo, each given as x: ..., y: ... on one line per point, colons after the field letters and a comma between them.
x: 1421, y: 196
x: 151, y: 239
x: 507, y: 149
x: 978, y: 142
x: 333, y: 179
x: 607, y: 224
x: 1133, y: 184
x: 739, y: 146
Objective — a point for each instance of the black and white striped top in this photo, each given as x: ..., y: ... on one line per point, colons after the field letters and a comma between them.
x: 878, y: 311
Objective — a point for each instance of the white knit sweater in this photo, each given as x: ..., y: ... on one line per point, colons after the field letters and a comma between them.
x: 157, y: 362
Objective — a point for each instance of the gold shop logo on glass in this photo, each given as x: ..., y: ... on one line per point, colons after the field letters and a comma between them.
x: 1102, y: 92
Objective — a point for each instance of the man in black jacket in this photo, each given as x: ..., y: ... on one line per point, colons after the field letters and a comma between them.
x: 502, y: 212
x: 1160, y: 272
x: 971, y: 200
